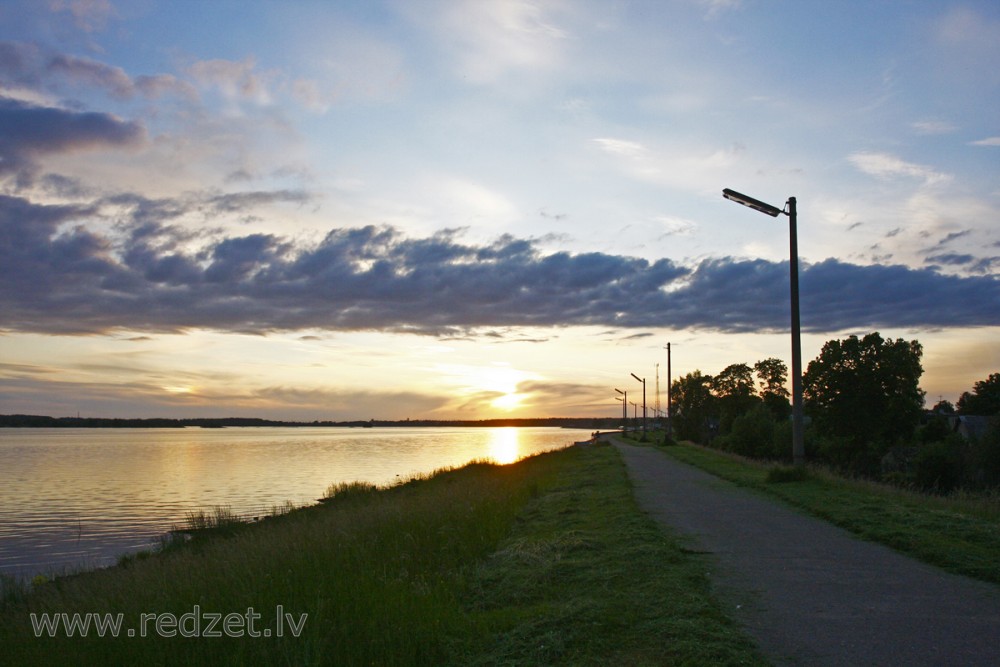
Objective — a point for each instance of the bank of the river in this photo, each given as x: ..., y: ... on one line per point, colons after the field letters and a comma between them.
x: 541, y: 562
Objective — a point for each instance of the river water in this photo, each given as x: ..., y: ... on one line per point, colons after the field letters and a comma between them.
x: 79, y: 498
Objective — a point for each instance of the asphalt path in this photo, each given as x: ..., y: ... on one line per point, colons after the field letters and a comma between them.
x: 808, y: 592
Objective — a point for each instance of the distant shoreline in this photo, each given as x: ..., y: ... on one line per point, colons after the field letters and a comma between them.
x: 42, y: 421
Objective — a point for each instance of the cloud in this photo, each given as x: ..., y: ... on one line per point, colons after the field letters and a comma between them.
x: 715, y: 7
x: 93, y: 73
x: 88, y: 15
x: 28, y: 131
x: 971, y: 37
x: 567, y: 397
x: 933, y: 127
x: 622, y: 147
x: 31, y: 70
x: 989, y: 141
x: 948, y: 238
x: 950, y: 258
x: 674, y: 226
x: 885, y: 166
x: 685, y: 167
x: 234, y: 79
x: 23, y: 387
x: 59, y: 276
x: 489, y: 40
x: 19, y: 62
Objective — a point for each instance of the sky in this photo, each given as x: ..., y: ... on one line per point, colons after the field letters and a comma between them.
x: 474, y: 209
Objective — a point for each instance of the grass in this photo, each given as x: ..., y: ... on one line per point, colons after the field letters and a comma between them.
x: 586, y: 579
x: 547, y: 561
x: 960, y: 533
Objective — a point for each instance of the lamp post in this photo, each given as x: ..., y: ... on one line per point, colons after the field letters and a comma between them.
x: 670, y: 429
x: 643, y: 381
x: 798, y: 444
x: 624, y: 401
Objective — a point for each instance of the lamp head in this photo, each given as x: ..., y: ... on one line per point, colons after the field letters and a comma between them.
x: 755, y: 204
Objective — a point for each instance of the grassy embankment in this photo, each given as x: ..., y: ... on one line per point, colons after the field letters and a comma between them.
x: 547, y: 561
x: 959, y: 533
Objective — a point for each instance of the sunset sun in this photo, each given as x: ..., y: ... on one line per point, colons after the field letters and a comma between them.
x: 508, y: 402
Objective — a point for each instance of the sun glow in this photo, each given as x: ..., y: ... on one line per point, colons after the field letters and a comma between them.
x: 508, y: 402
x: 495, y: 385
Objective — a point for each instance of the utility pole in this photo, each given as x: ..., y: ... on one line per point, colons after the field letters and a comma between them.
x: 656, y: 398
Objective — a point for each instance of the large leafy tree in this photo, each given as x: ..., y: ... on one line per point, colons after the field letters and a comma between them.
x: 984, y: 399
x: 734, y: 389
x: 864, y: 391
x: 771, y: 375
x: 692, y: 405
x: 735, y: 381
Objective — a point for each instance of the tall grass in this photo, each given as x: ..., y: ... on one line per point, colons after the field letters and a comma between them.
x: 373, y: 578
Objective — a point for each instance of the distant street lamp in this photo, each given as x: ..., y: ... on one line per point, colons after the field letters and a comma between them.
x: 643, y: 381
x: 670, y: 425
x: 624, y: 401
x: 798, y: 443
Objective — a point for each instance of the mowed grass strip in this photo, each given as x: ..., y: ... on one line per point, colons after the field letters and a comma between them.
x: 585, y: 578
x: 959, y: 533
x: 547, y: 561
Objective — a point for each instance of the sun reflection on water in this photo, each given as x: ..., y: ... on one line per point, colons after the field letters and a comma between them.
x: 504, y: 446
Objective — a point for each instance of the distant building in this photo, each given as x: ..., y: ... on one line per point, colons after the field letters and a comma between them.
x: 972, y: 427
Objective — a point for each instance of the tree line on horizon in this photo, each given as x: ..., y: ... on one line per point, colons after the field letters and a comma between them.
x: 44, y: 421
x: 864, y: 410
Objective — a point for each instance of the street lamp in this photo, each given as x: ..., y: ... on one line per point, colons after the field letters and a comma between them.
x: 670, y: 424
x: 643, y: 381
x: 798, y: 444
x: 624, y: 401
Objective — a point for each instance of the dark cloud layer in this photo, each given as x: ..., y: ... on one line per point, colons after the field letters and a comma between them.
x: 28, y: 131
x: 59, y: 275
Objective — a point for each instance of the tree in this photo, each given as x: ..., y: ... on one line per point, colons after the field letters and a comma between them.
x: 984, y: 399
x: 752, y: 434
x: 943, y: 407
x: 691, y: 406
x: 734, y: 389
x: 771, y: 375
x: 865, y: 392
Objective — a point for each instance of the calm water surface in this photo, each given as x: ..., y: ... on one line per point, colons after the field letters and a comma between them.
x: 73, y: 498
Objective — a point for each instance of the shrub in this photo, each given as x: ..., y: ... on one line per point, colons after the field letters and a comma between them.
x: 783, y: 474
x: 221, y: 518
x: 985, y: 456
x: 342, y: 490
x: 935, y: 430
x: 850, y: 456
x: 752, y: 434
x: 938, y: 467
